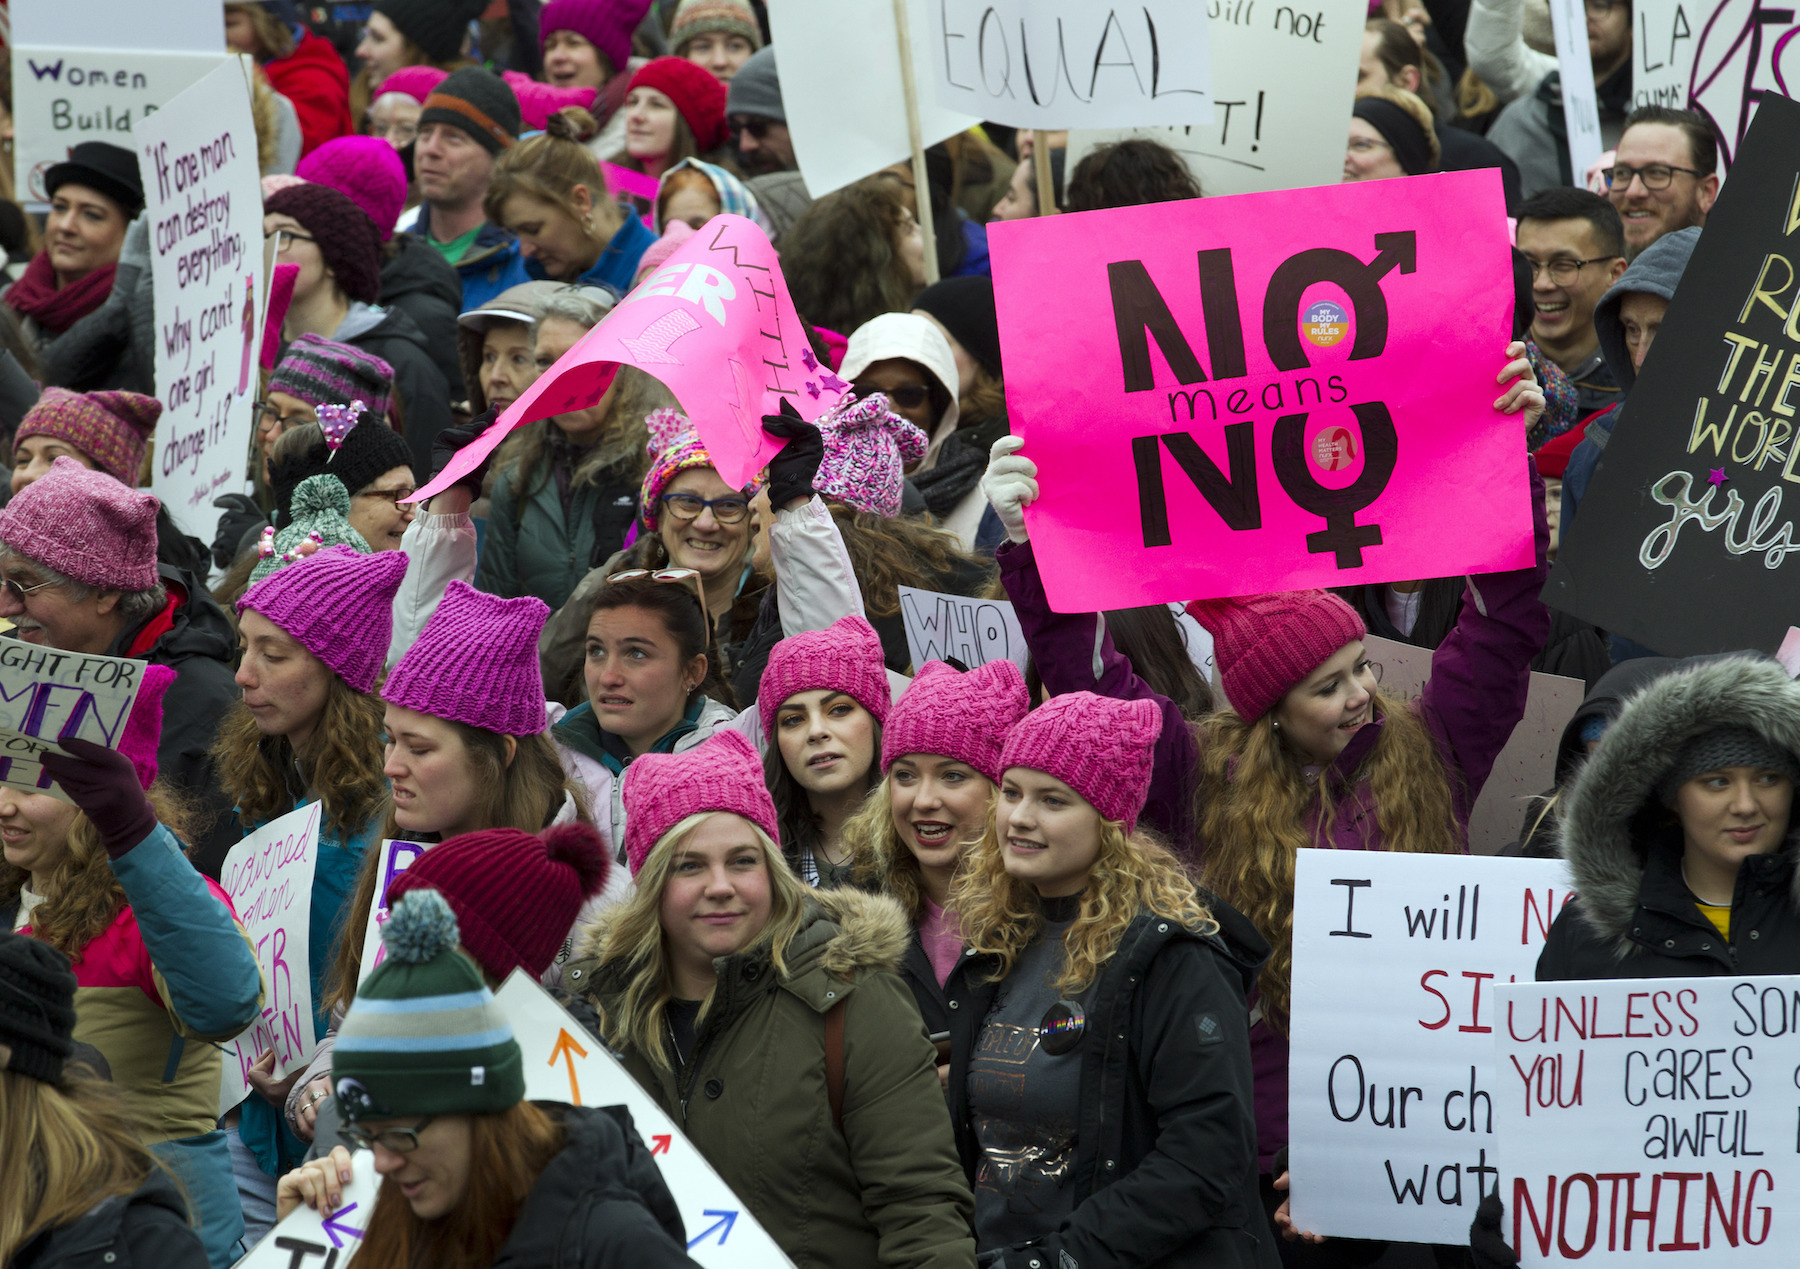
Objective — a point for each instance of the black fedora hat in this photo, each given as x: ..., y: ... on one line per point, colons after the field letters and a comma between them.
x: 109, y: 169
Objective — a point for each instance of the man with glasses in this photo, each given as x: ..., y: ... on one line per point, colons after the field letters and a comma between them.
x: 1665, y: 175
x: 759, y: 130
x: 1531, y: 129
x: 1574, y: 245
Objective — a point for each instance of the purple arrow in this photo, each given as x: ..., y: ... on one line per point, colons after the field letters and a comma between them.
x: 722, y: 1227
x: 333, y: 1229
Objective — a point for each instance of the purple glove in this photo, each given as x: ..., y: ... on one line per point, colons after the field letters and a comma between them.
x: 104, y: 784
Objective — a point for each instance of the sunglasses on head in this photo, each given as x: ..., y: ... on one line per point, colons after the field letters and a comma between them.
x: 687, y: 578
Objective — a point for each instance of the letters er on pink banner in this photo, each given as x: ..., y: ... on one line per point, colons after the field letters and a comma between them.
x: 1228, y: 396
x: 716, y: 324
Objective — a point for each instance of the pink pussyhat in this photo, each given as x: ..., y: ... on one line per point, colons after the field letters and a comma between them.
x: 722, y: 773
x: 844, y: 657
x: 1264, y: 644
x: 476, y: 663
x: 1101, y: 747
x: 338, y: 604
x: 143, y: 729
x: 964, y: 716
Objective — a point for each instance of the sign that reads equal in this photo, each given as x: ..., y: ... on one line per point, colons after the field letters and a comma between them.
x: 1684, y: 536
x: 1235, y: 395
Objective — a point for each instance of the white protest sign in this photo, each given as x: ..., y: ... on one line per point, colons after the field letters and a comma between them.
x: 1525, y: 768
x: 1649, y: 1115
x: 1066, y: 63
x: 1581, y: 106
x: 313, y: 1240
x: 395, y: 858
x: 940, y: 627
x: 269, y: 877
x: 1283, y: 80
x: 45, y: 692
x: 1662, y: 50
x: 203, y: 196
x: 843, y: 94
x: 564, y: 1063
x: 1392, y: 1082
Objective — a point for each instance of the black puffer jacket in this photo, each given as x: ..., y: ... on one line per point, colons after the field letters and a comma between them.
x: 145, y: 1230
x: 423, y: 391
x: 419, y: 282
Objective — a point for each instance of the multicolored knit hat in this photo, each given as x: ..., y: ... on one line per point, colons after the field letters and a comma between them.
x: 481, y: 104
x: 321, y: 508
x: 424, y: 1035
x: 476, y: 662
x: 713, y: 17
x: 86, y: 526
x: 964, y: 716
x: 112, y: 428
x: 696, y: 92
x: 674, y: 447
x: 143, y: 728
x: 366, y: 170
x: 606, y: 24
x: 1264, y: 644
x: 721, y: 773
x: 321, y: 371
x: 346, y: 237
x: 338, y: 605
x: 735, y: 198
x: 1099, y: 746
x: 866, y: 447
x: 844, y: 657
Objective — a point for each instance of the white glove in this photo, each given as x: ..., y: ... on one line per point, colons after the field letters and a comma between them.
x: 1010, y: 485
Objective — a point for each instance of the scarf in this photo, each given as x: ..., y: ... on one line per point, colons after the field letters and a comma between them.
x: 35, y: 295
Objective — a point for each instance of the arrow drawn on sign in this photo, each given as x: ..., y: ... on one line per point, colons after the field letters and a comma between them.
x: 651, y: 347
x: 333, y: 1229
x: 569, y: 1048
x: 722, y: 1227
x: 661, y: 1144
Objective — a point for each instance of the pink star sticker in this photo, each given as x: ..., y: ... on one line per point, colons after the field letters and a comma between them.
x: 1718, y: 477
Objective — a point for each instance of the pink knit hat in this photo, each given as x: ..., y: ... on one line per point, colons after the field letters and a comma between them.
x: 275, y: 182
x: 658, y: 252
x: 1264, y: 644
x: 112, y: 428
x: 696, y: 92
x: 476, y: 662
x: 143, y: 729
x: 1098, y: 746
x: 960, y: 716
x: 415, y: 81
x: 338, y: 604
x: 85, y: 525
x: 844, y: 657
x: 606, y: 24
x: 866, y: 445
x: 674, y: 447
x: 538, y: 101
x: 367, y: 171
x: 722, y: 773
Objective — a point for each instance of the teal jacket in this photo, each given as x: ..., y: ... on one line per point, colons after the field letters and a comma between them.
x: 533, y: 548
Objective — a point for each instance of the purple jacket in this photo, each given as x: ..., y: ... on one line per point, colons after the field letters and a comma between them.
x: 1475, y: 697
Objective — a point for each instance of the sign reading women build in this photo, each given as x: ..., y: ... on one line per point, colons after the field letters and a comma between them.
x: 1235, y: 395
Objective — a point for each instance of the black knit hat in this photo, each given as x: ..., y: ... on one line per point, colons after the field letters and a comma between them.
x: 345, y: 235
x: 482, y: 105
x: 37, y: 1007
x: 965, y: 306
x: 370, y: 450
x: 110, y: 169
x: 1723, y: 747
x: 436, y: 26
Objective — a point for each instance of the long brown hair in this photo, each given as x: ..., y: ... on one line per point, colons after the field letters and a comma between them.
x: 1253, y: 802
x: 840, y: 260
x: 888, y: 552
x: 508, y: 1151
x: 618, y: 454
x: 342, y: 769
x: 880, y: 861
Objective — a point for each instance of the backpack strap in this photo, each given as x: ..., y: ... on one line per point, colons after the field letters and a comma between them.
x: 834, y: 1063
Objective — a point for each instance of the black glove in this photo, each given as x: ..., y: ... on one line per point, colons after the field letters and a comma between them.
x: 241, y: 516
x: 452, y: 440
x: 1487, y: 1242
x: 791, y: 472
x: 104, y: 784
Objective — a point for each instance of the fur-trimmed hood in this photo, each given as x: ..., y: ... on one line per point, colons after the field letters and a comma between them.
x: 1604, y: 831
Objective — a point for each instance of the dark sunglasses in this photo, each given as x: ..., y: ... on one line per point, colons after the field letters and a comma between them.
x: 908, y: 396
x: 757, y: 128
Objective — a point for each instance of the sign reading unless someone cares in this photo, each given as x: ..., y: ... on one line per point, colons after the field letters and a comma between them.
x: 1236, y: 395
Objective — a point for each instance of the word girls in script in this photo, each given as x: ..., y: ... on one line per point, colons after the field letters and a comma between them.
x: 45, y: 694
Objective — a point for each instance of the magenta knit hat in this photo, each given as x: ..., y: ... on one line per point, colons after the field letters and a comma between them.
x: 516, y: 895
x: 338, y: 604
x: 112, y: 428
x: 346, y: 237
x: 844, y: 657
x: 606, y: 24
x: 721, y: 773
x: 367, y: 171
x: 696, y: 92
x: 964, y: 716
x: 866, y: 446
x: 1098, y: 746
x: 86, y: 526
x: 1264, y: 644
x: 415, y: 81
x: 538, y: 101
x: 674, y: 447
x: 476, y: 662
x: 143, y: 729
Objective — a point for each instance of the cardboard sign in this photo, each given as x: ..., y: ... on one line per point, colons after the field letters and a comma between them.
x: 269, y: 876
x: 314, y: 1240
x: 564, y: 1063
x: 1392, y: 1082
x: 716, y: 324
x: 1662, y: 50
x: 1581, y: 105
x: 1235, y: 395
x: 1644, y: 1115
x: 46, y: 693
x: 846, y: 108
x: 1063, y: 63
x: 396, y: 858
x: 943, y: 627
x: 203, y: 198
x: 1684, y: 537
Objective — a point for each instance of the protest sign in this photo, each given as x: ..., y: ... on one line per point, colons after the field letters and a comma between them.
x: 1235, y: 395
x: 844, y: 98
x: 322, y: 1240
x: 716, y: 324
x: 1580, y: 104
x: 1066, y: 64
x: 564, y: 1063
x: 46, y: 693
x: 396, y: 858
x: 1647, y: 1115
x: 1283, y: 79
x: 1739, y: 55
x: 1662, y: 50
x: 1392, y: 1080
x: 203, y: 198
x: 269, y: 876
x: 1682, y: 537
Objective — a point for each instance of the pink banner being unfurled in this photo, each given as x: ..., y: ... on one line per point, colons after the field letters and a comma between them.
x: 716, y: 324
x: 1228, y: 396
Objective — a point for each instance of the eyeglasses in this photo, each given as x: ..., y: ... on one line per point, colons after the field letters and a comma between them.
x: 684, y: 577
x: 1563, y: 272
x: 908, y: 396
x: 399, y: 1140
x: 395, y: 496
x: 689, y: 507
x: 268, y: 414
x: 756, y: 128
x: 284, y: 238
x: 19, y: 592
x: 1653, y: 175
x: 1367, y: 145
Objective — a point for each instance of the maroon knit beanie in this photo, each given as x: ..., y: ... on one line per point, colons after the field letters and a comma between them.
x: 345, y: 235
x: 516, y: 895
x: 1264, y: 644
x: 696, y: 92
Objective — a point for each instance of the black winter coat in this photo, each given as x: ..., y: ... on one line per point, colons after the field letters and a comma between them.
x: 1165, y: 1164
x: 419, y: 282
x: 424, y: 392
x: 938, y: 1006
x: 145, y: 1230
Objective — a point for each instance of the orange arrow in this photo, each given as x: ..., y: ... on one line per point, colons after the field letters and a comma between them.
x: 660, y: 1144
x: 568, y: 1047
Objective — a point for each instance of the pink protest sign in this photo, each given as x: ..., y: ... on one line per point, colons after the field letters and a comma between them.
x: 622, y: 180
x: 716, y: 324
x: 1265, y: 392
